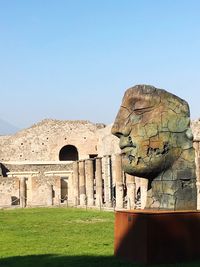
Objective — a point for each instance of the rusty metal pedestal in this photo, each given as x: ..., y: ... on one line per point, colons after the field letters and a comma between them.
x: 157, y: 236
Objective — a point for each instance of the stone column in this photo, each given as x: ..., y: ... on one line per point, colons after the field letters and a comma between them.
x: 82, y: 183
x: 99, y: 184
x: 30, y: 191
x: 197, y: 163
x: 70, y: 192
x: 142, y: 185
x: 22, y: 192
x: 130, y: 184
x: 198, y: 182
x: 76, y: 184
x: 143, y: 190
x: 106, y: 166
x: 57, y: 188
x: 89, y: 177
x: 49, y: 194
x: 119, y: 182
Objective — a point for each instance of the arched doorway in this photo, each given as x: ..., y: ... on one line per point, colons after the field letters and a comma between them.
x: 69, y: 153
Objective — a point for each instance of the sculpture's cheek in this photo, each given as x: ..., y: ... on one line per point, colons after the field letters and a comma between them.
x: 150, y: 164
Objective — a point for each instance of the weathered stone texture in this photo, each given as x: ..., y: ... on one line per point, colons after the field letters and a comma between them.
x: 43, y: 141
x: 131, y: 191
x: 36, y: 167
x: 99, y: 183
x: 89, y: 181
x: 107, y: 144
x: 82, y: 184
x: 9, y: 191
x: 43, y: 191
x: 76, y: 190
x: 156, y: 143
x: 119, y: 181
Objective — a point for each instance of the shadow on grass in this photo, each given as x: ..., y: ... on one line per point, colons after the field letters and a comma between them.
x: 58, y: 260
x: 73, y: 261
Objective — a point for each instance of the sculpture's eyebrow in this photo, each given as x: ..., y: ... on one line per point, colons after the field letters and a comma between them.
x: 126, y: 108
x: 140, y: 103
x: 131, y: 111
x: 142, y: 111
x: 143, y: 105
x: 143, y: 108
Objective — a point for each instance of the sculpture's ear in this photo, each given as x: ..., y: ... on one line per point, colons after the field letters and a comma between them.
x: 189, y: 134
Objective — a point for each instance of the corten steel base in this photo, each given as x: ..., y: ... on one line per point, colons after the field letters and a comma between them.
x: 157, y: 236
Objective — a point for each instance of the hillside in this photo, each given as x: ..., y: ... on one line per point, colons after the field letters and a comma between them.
x: 7, y: 128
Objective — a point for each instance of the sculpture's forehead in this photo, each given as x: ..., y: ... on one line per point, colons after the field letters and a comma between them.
x: 141, y: 98
x: 148, y: 97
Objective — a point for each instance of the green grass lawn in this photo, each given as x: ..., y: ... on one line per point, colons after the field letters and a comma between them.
x: 58, y: 237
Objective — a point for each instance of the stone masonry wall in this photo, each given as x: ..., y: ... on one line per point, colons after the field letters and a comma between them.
x: 43, y: 141
x: 40, y: 168
x: 108, y: 144
x: 9, y: 191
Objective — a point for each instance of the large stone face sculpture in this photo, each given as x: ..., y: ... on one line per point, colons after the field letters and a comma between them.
x: 156, y: 143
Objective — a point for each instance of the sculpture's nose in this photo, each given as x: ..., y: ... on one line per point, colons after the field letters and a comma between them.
x: 121, y: 125
x: 120, y: 131
x: 116, y: 130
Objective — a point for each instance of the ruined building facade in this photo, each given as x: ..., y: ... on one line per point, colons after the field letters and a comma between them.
x: 75, y: 163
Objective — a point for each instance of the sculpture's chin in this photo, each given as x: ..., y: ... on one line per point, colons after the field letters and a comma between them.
x: 137, y: 169
x: 149, y: 168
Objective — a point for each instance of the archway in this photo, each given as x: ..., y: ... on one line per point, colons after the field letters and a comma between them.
x: 68, y: 153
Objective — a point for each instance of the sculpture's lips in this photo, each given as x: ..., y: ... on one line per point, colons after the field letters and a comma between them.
x: 126, y: 150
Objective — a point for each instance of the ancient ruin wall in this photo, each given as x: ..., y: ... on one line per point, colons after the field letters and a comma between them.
x: 107, y: 144
x: 40, y: 168
x: 43, y: 141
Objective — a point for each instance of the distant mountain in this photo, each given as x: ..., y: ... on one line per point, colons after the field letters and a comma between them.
x: 7, y: 128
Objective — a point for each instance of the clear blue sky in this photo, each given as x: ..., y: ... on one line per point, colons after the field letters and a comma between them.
x: 73, y: 59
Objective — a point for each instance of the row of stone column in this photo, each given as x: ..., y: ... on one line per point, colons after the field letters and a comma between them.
x: 101, y: 181
x: 87, y: 176
x: 97, y: 182
x: 123, y: 180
